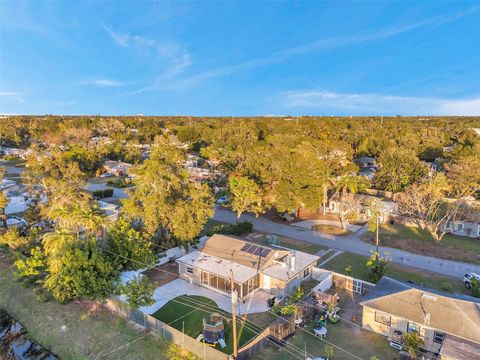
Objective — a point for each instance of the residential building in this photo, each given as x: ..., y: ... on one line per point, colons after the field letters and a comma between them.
x: 276, y: 270
x: 448, y: 324
x: 117, y: 168
x: 361, y: 204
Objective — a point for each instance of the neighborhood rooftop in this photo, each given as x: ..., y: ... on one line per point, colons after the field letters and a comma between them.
x: 457, y: 315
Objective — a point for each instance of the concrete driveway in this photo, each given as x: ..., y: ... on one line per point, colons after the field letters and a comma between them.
x: 351, y: 244
x: 257, y: 302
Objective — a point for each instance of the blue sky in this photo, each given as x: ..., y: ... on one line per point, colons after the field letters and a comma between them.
x: 240, y: 58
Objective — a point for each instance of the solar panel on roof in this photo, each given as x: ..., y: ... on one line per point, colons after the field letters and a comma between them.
x: 245, y: 247
x: 265, y: 252
x: 258, y: 251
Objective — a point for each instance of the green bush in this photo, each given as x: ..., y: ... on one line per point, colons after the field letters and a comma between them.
x: 103, y: 193
x: 10, y: 158
x: 446, y: 286
x: 239, y: 229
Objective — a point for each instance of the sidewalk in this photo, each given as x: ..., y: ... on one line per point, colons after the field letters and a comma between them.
x: 351, y: 244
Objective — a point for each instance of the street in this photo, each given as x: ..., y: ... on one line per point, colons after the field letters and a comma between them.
x: 351, y: 244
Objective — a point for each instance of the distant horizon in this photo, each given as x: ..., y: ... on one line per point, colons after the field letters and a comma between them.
x: 318, y: 58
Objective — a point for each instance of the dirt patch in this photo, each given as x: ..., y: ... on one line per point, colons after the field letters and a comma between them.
x: 331, y: 229
x: 163, y: 274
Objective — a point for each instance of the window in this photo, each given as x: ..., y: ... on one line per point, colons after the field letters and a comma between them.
x: 459, y: 227
x: 413, y: 328
x: 438, y: 337
x: 478, y: 230
x: 306, y: 272
x: 449, y: 225
x: 383, y: 318
x: 189, y: 270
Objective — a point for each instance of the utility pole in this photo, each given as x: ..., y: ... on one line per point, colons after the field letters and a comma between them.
x: 378, y: 216
x: 234, y: 314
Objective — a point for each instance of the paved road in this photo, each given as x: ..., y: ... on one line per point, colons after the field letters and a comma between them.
x: 352, y: 244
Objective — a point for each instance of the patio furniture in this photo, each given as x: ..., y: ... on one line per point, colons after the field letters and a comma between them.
x: 321, y: 332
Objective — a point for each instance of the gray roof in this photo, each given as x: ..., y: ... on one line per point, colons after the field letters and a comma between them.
x: 457, y: 315
x: 455, y: 348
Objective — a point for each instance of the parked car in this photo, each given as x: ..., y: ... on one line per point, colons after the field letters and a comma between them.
x: 468, y: 279
x: 107, y: 175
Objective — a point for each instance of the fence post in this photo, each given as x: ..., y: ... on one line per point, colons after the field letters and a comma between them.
x: 183, y: 335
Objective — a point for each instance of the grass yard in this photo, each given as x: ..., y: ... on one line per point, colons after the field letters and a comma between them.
x: 331, y: 229
x: 78, y: 330
x: 184, y: 312
x: 431, y: 280
x: 352, y: 338
x: 288, y: 242
x: 420, y: 242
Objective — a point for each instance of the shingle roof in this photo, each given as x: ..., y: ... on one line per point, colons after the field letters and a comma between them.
x: 455, y: 348
x: 453, y: 314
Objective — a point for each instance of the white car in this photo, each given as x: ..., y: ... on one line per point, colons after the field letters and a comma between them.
x: 469, y: 277
x: 106, y: 175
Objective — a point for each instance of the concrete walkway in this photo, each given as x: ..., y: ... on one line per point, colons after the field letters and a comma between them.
x: 351, y: 244
x: 255, y: 303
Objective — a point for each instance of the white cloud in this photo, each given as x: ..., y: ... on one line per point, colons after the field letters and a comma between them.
x: 101, y: 82
x: 127, y: 39
x: 372, y: 103
x: 13, y: 95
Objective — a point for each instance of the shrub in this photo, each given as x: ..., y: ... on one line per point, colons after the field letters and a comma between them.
x: 103, y: 193
x: 239, y: 229
x: 446, y: 286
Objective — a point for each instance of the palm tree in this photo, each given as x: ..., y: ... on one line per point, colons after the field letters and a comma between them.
x: 54, y: 241
x: 90, y: 218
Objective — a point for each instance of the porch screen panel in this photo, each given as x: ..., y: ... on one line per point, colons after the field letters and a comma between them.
x: 222, y: 284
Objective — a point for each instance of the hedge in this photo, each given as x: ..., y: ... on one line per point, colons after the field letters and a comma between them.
x: 239, y: 229
x: 103, y: 193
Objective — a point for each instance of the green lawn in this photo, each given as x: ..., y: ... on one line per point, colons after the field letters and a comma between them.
x: 184, y: 312
x: 290, y: 243
x: 78, y: 330
x: 360, y: 271
x: 352, y: 338
x: 421, y: 242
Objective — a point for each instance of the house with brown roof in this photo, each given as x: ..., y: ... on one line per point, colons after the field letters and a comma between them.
x: 448, y: 324
x: 276, y: 270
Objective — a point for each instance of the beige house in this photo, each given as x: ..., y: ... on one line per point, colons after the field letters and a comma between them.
x: 359, y: 204
x: 448, y: 324
x: 276, y: 270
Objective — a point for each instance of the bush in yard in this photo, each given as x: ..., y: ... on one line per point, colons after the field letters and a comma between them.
x: 413, y: 342
x: 377, y: 265
x: 446, y: 286
x: 103, y: 193
x: 328, y: 352
x: 239, y: 229
x: 175, y: 352
x: 13, y: 239
x: 81, y: 271
x: 32, y: 268
x: 475, y: 288
x: 139, y: 292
